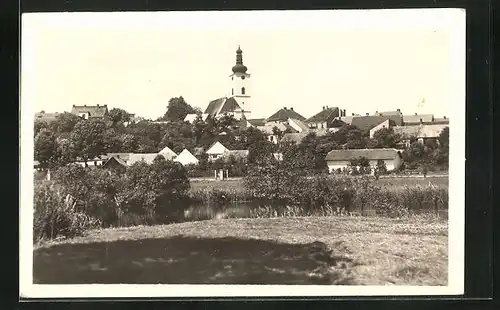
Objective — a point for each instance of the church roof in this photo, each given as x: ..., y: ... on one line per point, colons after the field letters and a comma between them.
x: 222, y: 105
x: 214, y: 106
x: 284, y: 114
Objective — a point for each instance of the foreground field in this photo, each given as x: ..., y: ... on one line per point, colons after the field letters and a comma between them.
x: 309, y: 250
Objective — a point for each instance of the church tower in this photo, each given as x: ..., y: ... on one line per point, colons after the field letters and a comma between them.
x: 240, y: 83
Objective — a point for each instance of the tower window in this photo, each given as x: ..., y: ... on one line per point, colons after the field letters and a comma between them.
x: 243, y: 90
x: 232, y: 78
x: 232, y: 91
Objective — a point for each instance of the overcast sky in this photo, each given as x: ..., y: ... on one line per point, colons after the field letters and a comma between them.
x: 361, y: 61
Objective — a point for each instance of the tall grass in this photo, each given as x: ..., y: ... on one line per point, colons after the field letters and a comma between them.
x: 57, y: 215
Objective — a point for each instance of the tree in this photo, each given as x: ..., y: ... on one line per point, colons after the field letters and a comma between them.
x: 386, y: 137
x: 65, y: 123
x: 39, y: 125
x: 86, y: 139
x: 177, y: 109
x: 444, y: 138
x: 117, y: 115
x: 45, y: 148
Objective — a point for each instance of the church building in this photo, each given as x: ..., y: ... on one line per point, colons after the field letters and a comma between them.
x: 238, y: 104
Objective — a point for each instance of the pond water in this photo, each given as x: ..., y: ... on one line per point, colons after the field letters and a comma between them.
x: 256, y: 209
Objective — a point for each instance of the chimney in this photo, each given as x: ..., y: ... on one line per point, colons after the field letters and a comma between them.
x: 398, y: 110
x: 415, y: 113
x: 291, y: 109
x: 73, y: 106
x: 444, y: 117
x: 367, y: 114
x: 323, y: 108
x: 284, y: 108
x: 98, y: 104
x: 327, y: 107
x: 344, y: 112
x: 84, y: 105
x: 421, y: 121
x: 352, y: 114
x: 376, y: 112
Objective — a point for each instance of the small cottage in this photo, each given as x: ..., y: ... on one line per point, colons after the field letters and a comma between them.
x: 186, y: 158
x: 215, y: 151
x: 168, y: 153
x: 340, y: 159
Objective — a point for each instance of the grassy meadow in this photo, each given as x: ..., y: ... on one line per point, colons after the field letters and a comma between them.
x: 391, y: 183
x: 287, y: 250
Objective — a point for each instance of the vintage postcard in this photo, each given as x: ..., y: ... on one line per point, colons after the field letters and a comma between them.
x: 234, y: 154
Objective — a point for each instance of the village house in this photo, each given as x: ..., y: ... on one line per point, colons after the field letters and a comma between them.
x: 268, y: 131
x: 325, y: 118
x: 283, y: 115
x: 367, y: 122
x: 115, y: 163
x: 340, y: 159
x: 297, y: 137
x: 186, y: 158
x: 218, y: 150
x: 47, y: 117
x: 168, y: 153
x: 122, y: 156
x: 90, y: 111
x: 384, y: 124
x: 96, y: 161
x: 418, y: 119
x: 421, y: 133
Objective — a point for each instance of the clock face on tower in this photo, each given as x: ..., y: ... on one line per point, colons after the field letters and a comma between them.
x: 242, y: 77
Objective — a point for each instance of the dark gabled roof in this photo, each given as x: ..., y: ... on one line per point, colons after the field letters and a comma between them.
x: 122, y: 156
x: 370, y: 121
x: 284, y: 114
x: 303, y: 126
x: 415, y: 119
x: 230, y: 105
x: 222, y: 105
x: 214, y: 106
x: 257, y: 121
x: 370, y: 154
x: 325, y: 115
x: 92, y: 110
x: 116, y: 159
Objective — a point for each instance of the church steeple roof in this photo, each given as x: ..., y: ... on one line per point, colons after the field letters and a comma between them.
x: 239, y: 67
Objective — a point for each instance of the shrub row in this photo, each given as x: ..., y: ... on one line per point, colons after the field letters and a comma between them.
x: 143, y: 194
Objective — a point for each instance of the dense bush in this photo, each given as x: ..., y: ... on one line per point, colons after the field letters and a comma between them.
x: 280, y: 186
x: 144, y: 194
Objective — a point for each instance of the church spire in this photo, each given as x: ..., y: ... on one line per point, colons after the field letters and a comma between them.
x: 239, y: 67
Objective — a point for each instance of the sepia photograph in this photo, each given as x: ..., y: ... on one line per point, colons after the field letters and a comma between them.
x: 242, y: 153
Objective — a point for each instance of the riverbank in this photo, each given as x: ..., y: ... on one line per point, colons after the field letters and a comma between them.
x: 296, y: 250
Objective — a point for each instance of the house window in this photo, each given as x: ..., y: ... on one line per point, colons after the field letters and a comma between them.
x: 243, y: 90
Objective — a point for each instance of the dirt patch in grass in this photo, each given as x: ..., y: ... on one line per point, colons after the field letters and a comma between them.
x: 307, y: 250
